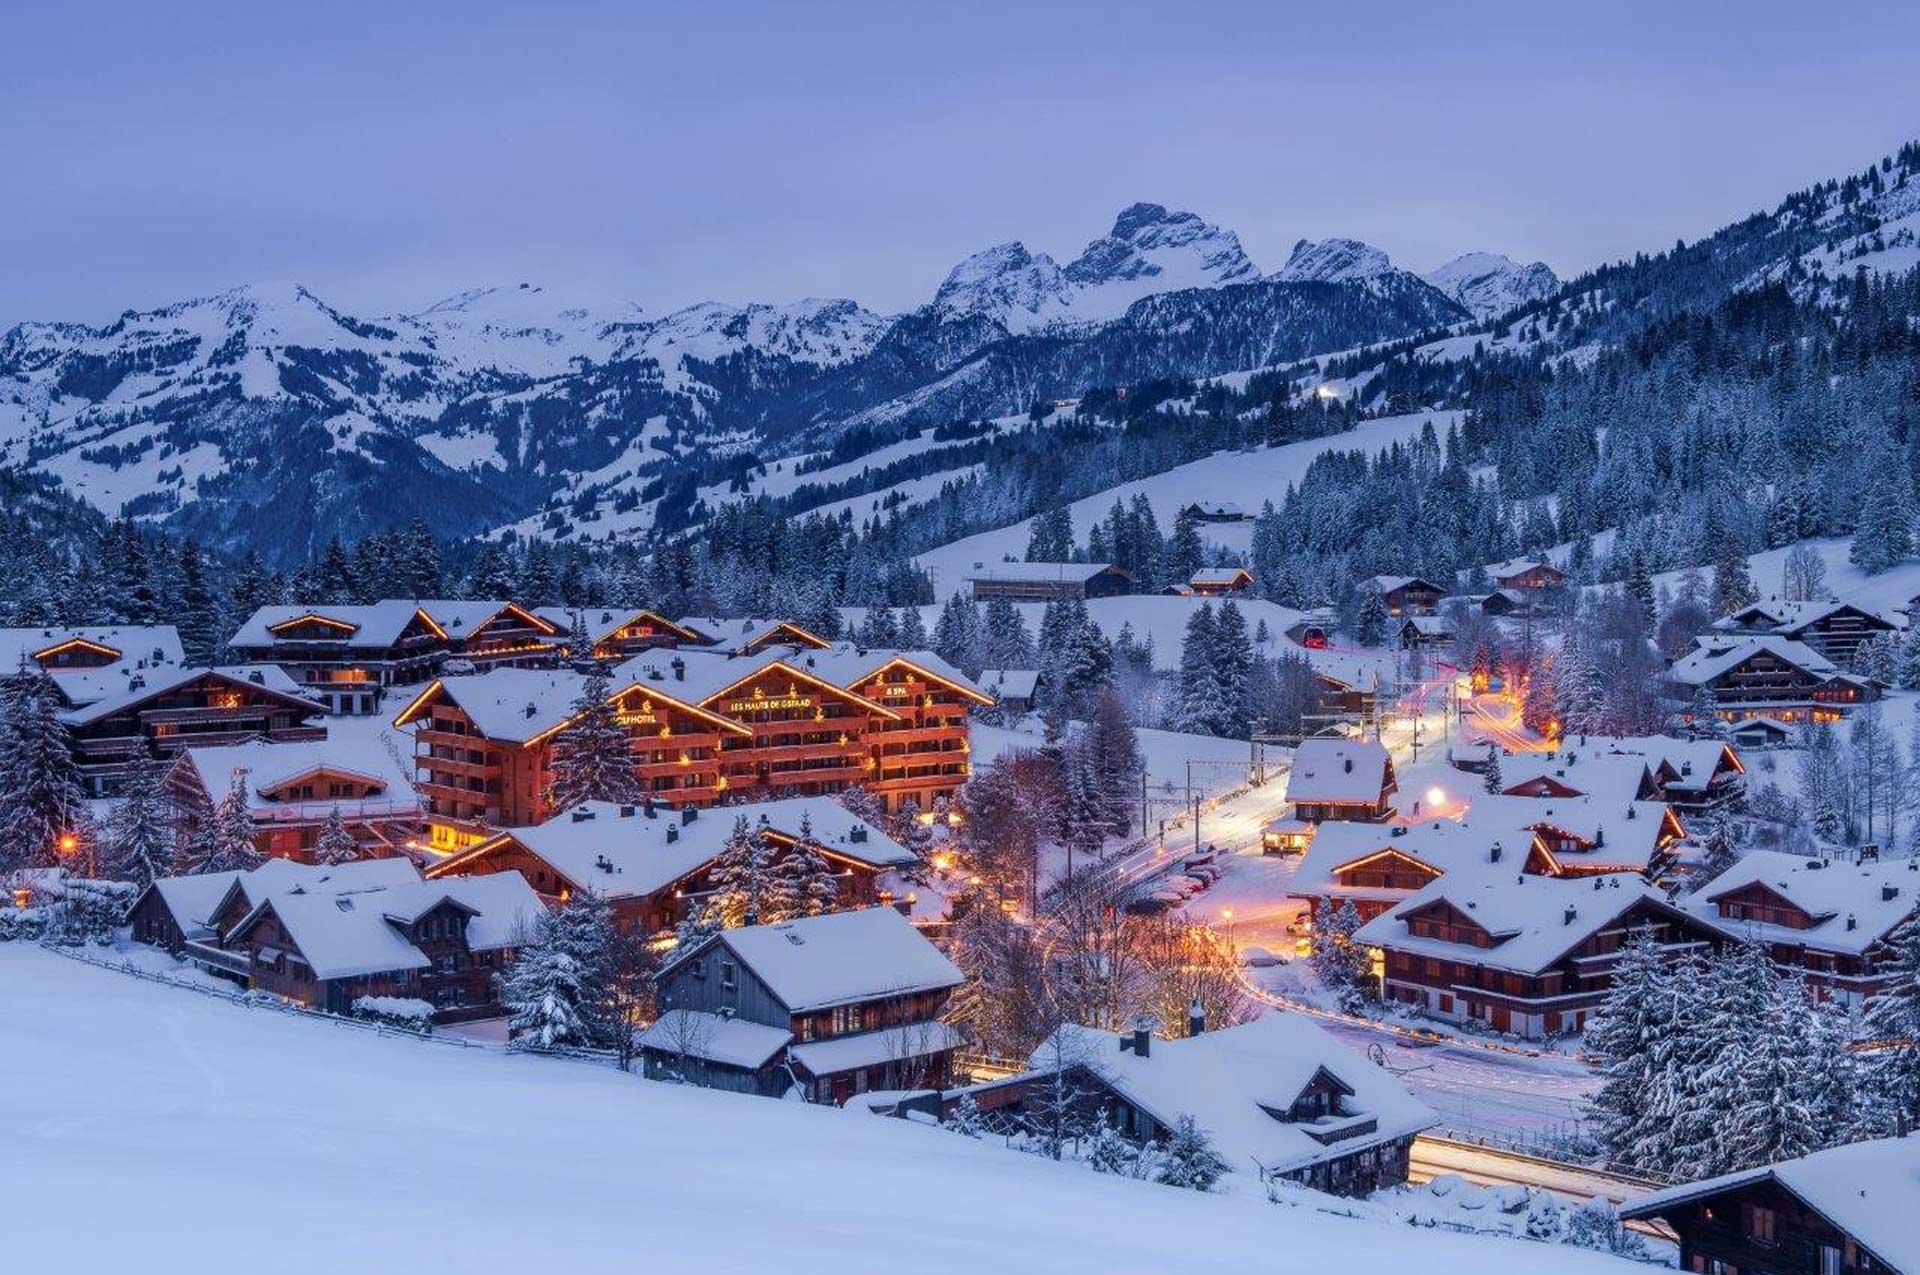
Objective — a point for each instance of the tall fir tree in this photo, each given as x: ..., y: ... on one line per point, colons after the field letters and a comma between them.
x: 138, y: 842
x: 42, y: 799
x: 592, y: 756
x: 335, y: 844
x: 800, y: 882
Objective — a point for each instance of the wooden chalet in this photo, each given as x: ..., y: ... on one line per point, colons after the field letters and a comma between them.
x: 618, y: 633
x: 1527, y: 575
x: 784, y: 721
x: 1418, y: 632
x: 831, y: 1006
x: 1014, y: 689
x: 1766, y: 676
x: 190, y: 914
x: 292, y: 790
x: 1405, y: 595
x: 345, y: 655
x: 1377, y: 866
x: 1846, y: 1210
x: 1048, y: 581
x: 89, y: 663
x: 1524, y: 954
x: 1835, y: 628
x: 650, y: 863
x: 1221, y: 582
x: 751, y: 636
x: 175, y: 708
x: 1757, y: 734
x: 1830, y: 921
x: 496, y: 634
x: 1278, y: 1096
x: 442, y: 942
x: 1216, y: 511
x: 1589, y: 835
x: 1341, y: 779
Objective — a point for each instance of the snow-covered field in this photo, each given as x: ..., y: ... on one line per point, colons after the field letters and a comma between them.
x: 149, y: 1127
x: 1249, y: 478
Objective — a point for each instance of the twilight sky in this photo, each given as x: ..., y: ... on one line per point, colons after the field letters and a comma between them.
x: 386, y: 155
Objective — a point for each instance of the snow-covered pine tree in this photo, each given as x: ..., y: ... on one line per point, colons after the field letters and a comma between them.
x: 1491, y: 780
x: 592, y: 756
x: 1717, y: 852
x: 957, y: 634
x: 1005, y: 640
x: 335, y: 844
x: 967, y: 1120
x: 799, y: 880
x: 1111, y: 1153
x: 1371, y: 620
x: 1114, y: 750
x: 545, y: 992
x: 912, y: 635
x: 1771, y: 1120
x: 1892, y: 1075
x: 138, y: 842
x: 223, y: 840
x: 1703, y: 714
x: 41, y: 796
x: 1341, y: 965
x: 1884, y: 537
x: 1632, y: 1020
x: 1185, y: 552
x: 1233, y: 667
x: 1188, y: 1158
x: 738, y: 877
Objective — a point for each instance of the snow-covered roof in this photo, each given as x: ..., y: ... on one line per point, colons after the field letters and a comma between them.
x: 130, y: 648
x: 729, y: 1041
x: 820, y: 961
x: 1220, y: 575
x: 1517, y: 566
x: 1690, y: 764
x: 626, y: 855
x: 1586, y: 770
x: 849, y: 665
x: 263, y: 766
x: 1340, y: 771
x: 1764, y: 725
x: 1017, y: 682
x: 1853, y: 905
x: 1619, y: 834
x: 346, y: 935
x: 268, y: 677
x: 1870, y: 1190
x: 1233, y: 1081
x: 1791, y: 618
x: 375, y: 625
x: 1387, y: 584
x: 600, y: 622
x: 875, y: 1048
x: 1429, y: 626
x: 1713, y: 656
x: 738, y: 633
x: 462, y: 617
x: 194, y: 898
x: 1040, y: 572
x: 1441, y: 844
x: 1534, y: 920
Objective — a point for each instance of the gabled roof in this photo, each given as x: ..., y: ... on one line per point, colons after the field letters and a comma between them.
x: 1620, y: 834
x: 1712, y: 657
x: 1233, y: 1081
x: 1429, y: 626
x: 1790, y: 619
x: 741, y: 633
x: 1387, y: 584
x: 195, y: 898
x: 1043, y: 572
x: 267, y: 766
x: 373, y: 626
x: 627, y: 855
x: 818, y: 962
x: 517, y: 705
x: 347, y: 935
x: 1582, y: 770
x: 1441, y: 845
x: 1017, y: 682
x: 1518, y: 566
x: 603, y: 621
x: 462, y: 618
x: 1870, y: 1190
x: 731, y: 1041
x: 1221, y: 575
x: 134, y: 643
x: 1535, y: 920
x: 268, y: 678
x: 1848, y: 901
x: 1342, y: 771
x: 849, y: 665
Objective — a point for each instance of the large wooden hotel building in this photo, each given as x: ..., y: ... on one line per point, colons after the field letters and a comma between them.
x: 785, y: 720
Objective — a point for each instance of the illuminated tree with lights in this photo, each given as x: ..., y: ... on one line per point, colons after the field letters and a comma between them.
x: 42, y: 801
x: 739, y: 878
x: 799, y: 880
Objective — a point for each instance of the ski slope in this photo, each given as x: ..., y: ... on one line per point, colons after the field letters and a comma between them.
x: 150, y: 1128
x: 1247, y: 477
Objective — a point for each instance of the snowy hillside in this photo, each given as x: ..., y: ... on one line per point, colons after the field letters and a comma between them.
x: 1247, y: 478
x: 173, y: 1117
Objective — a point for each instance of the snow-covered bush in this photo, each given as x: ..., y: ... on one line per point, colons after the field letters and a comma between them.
x: 22, y: 925
x: 395, y: 1011
x: 88, y: 912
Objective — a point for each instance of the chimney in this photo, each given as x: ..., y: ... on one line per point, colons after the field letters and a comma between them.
x: 689, y: 814
x: 1493, y: 855
x: 1140, y: 1042
x: 679, y: 669
x: 582, y: 815
x: 673, y: 833
x: 858, y: 833
x: 1852, y: 924
x: 1349, y: 765
x: 1196, y: 1018
x: 1398, y: 830
x: 1570, y: 915
x: 1888, y: 893
x: 626, y: 812
x: 646, y: 808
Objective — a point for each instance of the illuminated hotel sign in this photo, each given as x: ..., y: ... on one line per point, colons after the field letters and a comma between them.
x: 641, y: 716
x: 770, y: 705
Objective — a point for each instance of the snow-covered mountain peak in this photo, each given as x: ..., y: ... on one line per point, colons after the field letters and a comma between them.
x: 1488, y: 283
x: 1333, y: 261
x: 1021, y: 289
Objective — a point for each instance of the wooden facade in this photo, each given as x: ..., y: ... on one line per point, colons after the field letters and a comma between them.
x: 900, y: 731
x: 1051, y: 581
x: 193, y: 707
x: 1767, y: 684
x: 1469, y: 983
x: 331, y: 660
x: 1755, y: 1225
x: 289, y: 814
